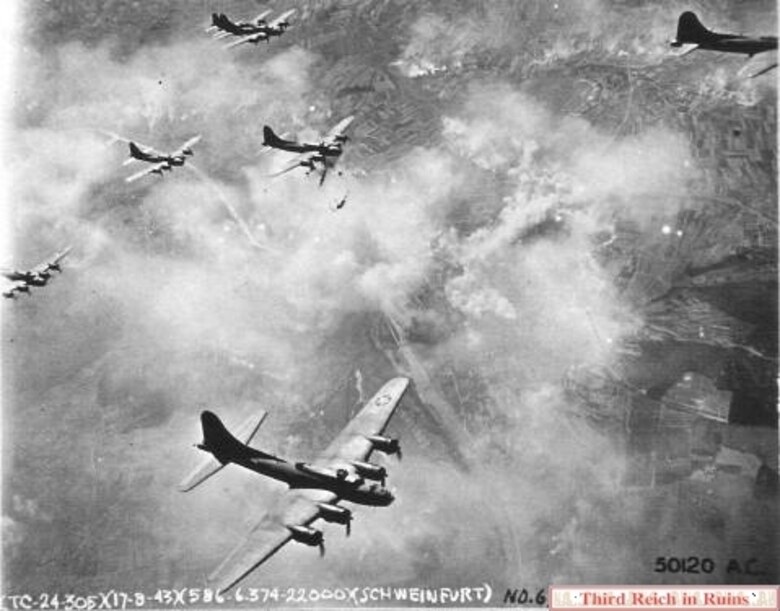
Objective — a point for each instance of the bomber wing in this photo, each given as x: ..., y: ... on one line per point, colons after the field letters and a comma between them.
x: 298, y: 162
x: 352, y: 443
x: 184, y: 147
x: 157, y: 168
x: 222, y: 34
x: 247, y: 39
x: 339, y: 128
x: 297, y: 508
x: 13, y: 287
x: 52, y: 263
x: 260, y: 19
x: 758, y: 65
x: 281, y: 18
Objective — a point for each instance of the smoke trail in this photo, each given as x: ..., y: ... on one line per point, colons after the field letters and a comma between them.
x: 231, y: 210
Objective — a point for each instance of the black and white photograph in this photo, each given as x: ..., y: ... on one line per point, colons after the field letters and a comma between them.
x: 386, y: 303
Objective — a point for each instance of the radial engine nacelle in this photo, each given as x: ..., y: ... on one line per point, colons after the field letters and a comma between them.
x: 309, y: 536
x: 370, y: 470
x: 336, y: 514
x: 385, y: 444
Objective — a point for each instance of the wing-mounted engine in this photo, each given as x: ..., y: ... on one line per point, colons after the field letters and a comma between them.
x: 309, y: 536
x: 336, y: 515
x: 385, y: 444
x: 339, y: 475
x: 331, y: 149
x: 370, y: 471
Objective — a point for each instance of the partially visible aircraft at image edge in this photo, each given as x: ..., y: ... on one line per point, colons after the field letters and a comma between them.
x: 22, y: 280
x: 250, y: 32
x: 692, y: 35
x: 339, y: 473
x: 320, y: 157
x: 163, y: 162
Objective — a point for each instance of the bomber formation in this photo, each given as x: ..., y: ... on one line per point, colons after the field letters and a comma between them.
x: 321, y: 157
x: 341, y: 472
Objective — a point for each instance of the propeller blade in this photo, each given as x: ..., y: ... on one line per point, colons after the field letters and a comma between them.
x: 349, y: 526
x: 322, y: 549
x: 399, y: 453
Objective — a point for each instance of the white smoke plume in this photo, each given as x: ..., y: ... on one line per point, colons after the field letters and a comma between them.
x: 225, y: 289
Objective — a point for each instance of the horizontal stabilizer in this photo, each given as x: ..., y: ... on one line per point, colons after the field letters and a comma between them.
x: 684, y: 49
x: 247, y: 431
x: 210, y: 465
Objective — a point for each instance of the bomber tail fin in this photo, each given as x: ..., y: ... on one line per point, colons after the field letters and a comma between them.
x: 269, y: 137
x: 690, y: 30
x: 135, y: 152
x: 222, y: 446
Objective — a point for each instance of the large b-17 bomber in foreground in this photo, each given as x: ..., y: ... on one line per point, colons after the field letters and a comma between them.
x: 339, y: 473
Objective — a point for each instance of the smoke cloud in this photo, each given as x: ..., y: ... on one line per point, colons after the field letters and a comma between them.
x: 219, y: 287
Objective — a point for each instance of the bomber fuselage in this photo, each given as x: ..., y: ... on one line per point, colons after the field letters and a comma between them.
x: 740, y: 44
x: 299, y: 475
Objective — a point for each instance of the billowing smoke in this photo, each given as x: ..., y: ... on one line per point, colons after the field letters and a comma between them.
x: 219, y: 287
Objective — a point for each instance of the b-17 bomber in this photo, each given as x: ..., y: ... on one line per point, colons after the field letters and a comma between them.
x: 692, y: 35
x: 320, y: 157
x: 340, y: 473
x: 22, y: 280
x: 222, y: 26
x: 162, y: 162
x: 251, y: 32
